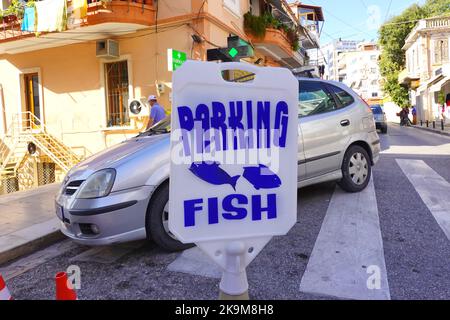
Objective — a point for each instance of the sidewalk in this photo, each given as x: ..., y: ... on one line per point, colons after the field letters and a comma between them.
x: 27, y: 221
x: 437, y: 130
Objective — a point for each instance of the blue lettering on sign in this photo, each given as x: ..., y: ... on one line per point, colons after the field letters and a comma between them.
x: 231, y: 116
x: 233, y: 207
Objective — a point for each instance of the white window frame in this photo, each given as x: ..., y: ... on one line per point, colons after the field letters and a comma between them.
x: 234, y: 6
x: 21, y: 93
x: 103, y: 85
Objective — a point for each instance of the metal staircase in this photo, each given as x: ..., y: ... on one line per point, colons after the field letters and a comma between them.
x: 26, y: 128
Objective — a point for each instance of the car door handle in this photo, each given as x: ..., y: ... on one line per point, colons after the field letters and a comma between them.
x: 345, y: 123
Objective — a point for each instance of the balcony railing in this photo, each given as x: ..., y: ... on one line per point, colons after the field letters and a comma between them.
x: 441, y: 22
x: 274, y: 37
x: 120, y: 11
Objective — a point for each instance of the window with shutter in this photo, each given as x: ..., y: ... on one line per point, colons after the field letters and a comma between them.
x: 444, y: 47
x: 441, y: 51
x: 437, y: 52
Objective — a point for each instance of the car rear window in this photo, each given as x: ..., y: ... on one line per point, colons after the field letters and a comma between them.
x: 314, y: 99
x: 376, y: 110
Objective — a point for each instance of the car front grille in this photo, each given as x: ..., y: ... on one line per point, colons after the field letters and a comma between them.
x: 72, y: 187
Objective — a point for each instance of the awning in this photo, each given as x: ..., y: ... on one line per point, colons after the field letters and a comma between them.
x: 438, y: 86
x: 428, y: 84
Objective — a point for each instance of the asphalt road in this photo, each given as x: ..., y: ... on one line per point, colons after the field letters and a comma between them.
x: 396, y: 224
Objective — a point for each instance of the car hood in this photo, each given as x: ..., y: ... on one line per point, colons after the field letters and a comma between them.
x: 112, y: 157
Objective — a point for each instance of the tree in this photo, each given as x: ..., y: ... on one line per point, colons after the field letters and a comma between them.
x: 392, y: 36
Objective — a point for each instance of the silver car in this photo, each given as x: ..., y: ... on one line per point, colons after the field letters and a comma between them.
x: 122, y: 193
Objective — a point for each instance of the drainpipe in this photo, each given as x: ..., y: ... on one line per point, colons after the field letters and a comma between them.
x: 2, y: 104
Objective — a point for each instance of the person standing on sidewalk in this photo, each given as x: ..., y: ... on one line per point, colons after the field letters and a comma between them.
x: 407, y: 121
x: 414, y: 114
x: 157, y: 112
x: 443, y: 113
x: 402, y: 117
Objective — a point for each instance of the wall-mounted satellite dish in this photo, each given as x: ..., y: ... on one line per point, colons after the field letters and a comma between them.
x: 135, y: 107
x: 31, y: 148
x: 138, y: 108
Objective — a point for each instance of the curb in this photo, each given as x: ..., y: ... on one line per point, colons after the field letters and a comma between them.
x: 30, y: 247
x: 30, y: 239
x: 440, y: 132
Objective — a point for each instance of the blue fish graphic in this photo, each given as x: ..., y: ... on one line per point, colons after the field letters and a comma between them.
x: 213, y: 174
x: 261, y: 177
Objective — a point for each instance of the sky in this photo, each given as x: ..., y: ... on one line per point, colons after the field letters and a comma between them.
x: 356, y: 19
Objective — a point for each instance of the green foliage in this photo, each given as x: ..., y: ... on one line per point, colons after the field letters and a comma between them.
x: 436, y: 7
x: 392, y: 36
x: 441, y: 98
x: 257, y: 25
x: 16, y: 8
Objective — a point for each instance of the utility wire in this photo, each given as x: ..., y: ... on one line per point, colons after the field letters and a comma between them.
x: 341, y: 20
x: 388, y: 10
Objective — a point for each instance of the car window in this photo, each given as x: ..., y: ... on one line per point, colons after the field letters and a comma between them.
x: 314, y: 99
x: 345, y: 99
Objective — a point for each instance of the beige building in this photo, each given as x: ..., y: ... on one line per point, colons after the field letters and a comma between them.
x: 64, y: 94
x: 427, y: 72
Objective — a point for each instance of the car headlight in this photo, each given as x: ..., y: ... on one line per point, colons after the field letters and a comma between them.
x: 98, y: 185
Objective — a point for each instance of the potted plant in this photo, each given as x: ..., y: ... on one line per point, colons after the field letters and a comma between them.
x: 255, y: 25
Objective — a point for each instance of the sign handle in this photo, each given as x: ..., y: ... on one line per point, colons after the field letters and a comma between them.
x: 234, y: 284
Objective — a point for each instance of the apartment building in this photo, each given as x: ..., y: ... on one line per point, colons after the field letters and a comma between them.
x: 311, y: 17
x: 360, y: 71
x: 65, y: 84
x: 332, y: 54
x: 427, y: 72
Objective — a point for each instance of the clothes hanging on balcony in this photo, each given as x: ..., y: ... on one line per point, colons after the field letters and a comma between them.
x: 51, y: 15
x: 29, y: 19
x: 76, y: 13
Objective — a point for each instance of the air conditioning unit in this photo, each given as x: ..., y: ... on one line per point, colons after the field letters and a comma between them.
x: 138, y: 108
x: 108, y: 49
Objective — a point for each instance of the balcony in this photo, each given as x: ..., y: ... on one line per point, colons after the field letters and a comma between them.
x: 112, y: 18
x: 437, y: 24
x: 276, y: 44
x: 310, y: 37
x: 409, y: 79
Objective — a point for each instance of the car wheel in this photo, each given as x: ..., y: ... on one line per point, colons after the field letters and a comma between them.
x: 356, y: 170
x: 384, y: 129
x: 157, y: 222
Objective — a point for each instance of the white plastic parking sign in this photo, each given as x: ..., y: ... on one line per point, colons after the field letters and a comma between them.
x: 233, y: 153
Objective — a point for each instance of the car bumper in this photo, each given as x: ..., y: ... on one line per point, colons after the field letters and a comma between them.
x: 380, y: 125
x: 375, y: 146
x: 117, y: 218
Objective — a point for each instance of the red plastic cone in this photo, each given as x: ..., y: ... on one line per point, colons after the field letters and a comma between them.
x: 63, y: 291
x: 4, y: 292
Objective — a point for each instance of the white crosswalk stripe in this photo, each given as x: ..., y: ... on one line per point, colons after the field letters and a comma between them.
x: 348, y: 258
x: 432, y: 189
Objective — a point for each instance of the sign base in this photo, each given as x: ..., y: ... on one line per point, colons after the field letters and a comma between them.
x: 242, y: 297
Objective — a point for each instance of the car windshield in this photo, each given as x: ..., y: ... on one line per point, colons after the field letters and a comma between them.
x: 161, y: 127
x: 377, y: 109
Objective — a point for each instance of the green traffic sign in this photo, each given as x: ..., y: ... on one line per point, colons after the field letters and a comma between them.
x: 175, y: 59
x: 233, y: 52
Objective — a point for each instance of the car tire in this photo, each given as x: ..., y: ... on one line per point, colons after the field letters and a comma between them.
x: 384, y: 129
x: 156, y: 215
x: 357, y: 179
